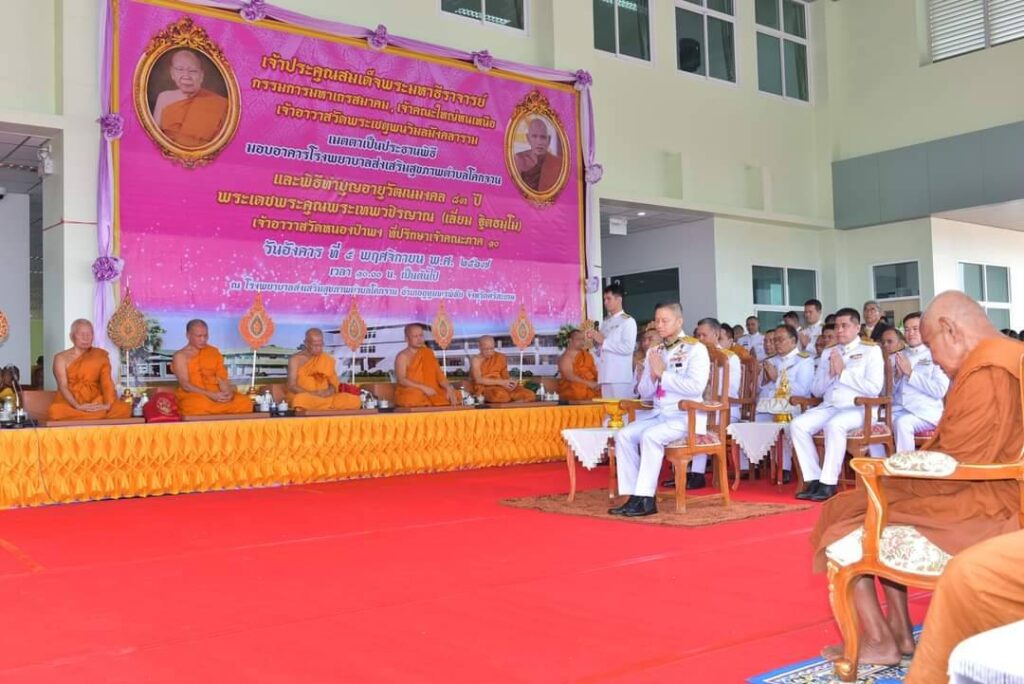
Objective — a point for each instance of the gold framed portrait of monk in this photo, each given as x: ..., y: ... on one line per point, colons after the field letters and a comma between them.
x: 537, y: 150
x: 186, y: 95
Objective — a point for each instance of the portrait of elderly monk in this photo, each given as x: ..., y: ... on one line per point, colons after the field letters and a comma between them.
x: 85, y: 387
x: 538, y: 166
x: 190, y: 115
x: 980, y: 425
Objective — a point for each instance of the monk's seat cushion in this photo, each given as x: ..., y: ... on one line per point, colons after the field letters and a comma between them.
x: 702, y: 440
x: 921, y: 464
x: 902, y: 547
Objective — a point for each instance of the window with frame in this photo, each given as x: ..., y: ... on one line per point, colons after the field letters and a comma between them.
x: 894, y: 281
x: 782, y: 48
x: 956, y: 27
x: 705, y: 38
x: 778, y: 289
x: 990, y: 286
x: 507, y: 13
x: 623, y: 27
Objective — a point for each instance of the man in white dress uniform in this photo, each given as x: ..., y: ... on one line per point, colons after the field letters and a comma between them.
x: 614, y: 344
x: 920, y: 387
x: 753, y: 341
x: 676, y: 370
x: 809, y: 334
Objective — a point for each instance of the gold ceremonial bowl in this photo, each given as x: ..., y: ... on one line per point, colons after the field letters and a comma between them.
x: 613, y: 407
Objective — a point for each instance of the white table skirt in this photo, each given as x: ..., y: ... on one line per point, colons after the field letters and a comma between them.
x: 589, y: 444
x: 992, y: 657
x: 756, y: 439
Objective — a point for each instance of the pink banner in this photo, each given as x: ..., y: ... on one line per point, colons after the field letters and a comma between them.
x: 317, y: 170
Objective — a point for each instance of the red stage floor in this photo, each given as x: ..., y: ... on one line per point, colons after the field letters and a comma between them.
x: 412, y: 579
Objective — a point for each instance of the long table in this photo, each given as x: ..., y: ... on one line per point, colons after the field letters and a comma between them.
x: 63, y: 465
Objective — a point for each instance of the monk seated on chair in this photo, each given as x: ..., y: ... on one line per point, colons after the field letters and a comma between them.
x: 420, y: 379
x: 85, y: 388
x: 490, y: 374
x: 312, y: 380
x: 203, y: 385
x: 577, y: 371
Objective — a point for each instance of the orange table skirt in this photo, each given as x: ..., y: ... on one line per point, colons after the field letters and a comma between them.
x: 62, y: 465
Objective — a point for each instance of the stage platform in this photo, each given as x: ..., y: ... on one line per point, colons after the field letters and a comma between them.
x: 61, y: 465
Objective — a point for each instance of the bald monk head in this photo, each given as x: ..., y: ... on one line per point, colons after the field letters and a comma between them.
x: 538, y: 137
x: 187, y: 72
x: 952, y: 326
x: 577, y: 340
x: 313, y: 342
x: 81, y: 334
x: 197, y: 333
x: 487, y: 346
x: 414, y: 336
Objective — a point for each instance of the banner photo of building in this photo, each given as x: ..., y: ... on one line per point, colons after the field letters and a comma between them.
x: 316, y: 169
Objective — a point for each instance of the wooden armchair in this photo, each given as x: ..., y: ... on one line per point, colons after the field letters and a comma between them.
x: 876, y: 429
x: 750, y: 370
x: 897, y: 552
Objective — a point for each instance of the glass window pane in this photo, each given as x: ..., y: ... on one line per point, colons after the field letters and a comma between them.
x: 997, y: 284
x: 896, y: 280
x: 721, y: 54
x: 769, y: 319
x: 690, y: 38
x: 646, y: 290
x: 973, y: 277
x: 802, y: 286
x: 604, y: 25
x: 635, y: 29
x: 794, y: 21
x: 723, y: 6
x: 505, y: 13
x: 466, y: 8
x: 766, y: 13
x: 768, y: 286
x: 769, y: 64
x: 1000, y: 317
x: 796, y: 71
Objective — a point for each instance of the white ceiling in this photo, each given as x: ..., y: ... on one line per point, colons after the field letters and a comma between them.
x: 654, y: 216
x: 1009, y: 215
x: 19, y: 159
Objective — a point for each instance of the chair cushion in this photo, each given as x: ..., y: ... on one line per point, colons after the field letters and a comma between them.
x: 877, y: 429
x: 701, y: 440
x: 902, y: 548
x: 927, y: 433
x: 921, y: 464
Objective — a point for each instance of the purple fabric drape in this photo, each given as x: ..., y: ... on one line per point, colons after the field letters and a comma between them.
x: 103, y: 306
x: 254, y: 10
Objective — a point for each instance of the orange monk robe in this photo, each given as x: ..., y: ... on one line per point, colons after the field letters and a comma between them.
x: 89, y: 382
x: 496, y: 368
x: 194, y: 121
x: 541, y: 176
x: 980, y: 425
x: 204, y: 370
x: 583, y: 367
x: 980, y: 589
x: 424, y: 370
x: 316, y: 375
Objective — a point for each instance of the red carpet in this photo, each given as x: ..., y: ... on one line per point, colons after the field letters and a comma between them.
x: 413, y: 579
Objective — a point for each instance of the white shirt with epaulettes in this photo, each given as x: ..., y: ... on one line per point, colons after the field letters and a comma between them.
x: 799, y: 367
x: 923, y: 392
x: 863, y: 374
x: 687, y: 369
x: 615, y: 355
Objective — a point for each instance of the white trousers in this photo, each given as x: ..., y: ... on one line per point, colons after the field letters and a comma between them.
x: 640, y: 449
x: 835, y: 422
x: 905, y: 424
x: 617, y: 390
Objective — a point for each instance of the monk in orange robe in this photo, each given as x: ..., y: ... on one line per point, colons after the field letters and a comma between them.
x: 537, y: 166
x: 85, y: 388
x: 420, y: 379
x: 577, y: 371
x: 203, y: 386
x: 981, y: 425
x: 312, y: 380
x: 980, y: 589
x: 191, y: 116
x: 489, y: 371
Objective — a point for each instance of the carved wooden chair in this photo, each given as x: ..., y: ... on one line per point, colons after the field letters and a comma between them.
x: 897, y: 552
x: 750, y: 370
x: 876, y: 429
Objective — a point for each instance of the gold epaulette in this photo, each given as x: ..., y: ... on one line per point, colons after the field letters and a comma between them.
x: 871, y: 343
x: 689, y: 340
x: 803, y: 355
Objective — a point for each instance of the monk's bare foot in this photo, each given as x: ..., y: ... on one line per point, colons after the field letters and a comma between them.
x: 903, y: 634
x: 870, y: 653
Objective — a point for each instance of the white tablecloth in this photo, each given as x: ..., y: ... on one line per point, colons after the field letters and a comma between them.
x: 757, y: 439
x: 992, y: 657
x: 589, y: 444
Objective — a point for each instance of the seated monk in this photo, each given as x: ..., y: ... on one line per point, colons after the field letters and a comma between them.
x: 577, y: 371
x: 203, y: 386
x: 312, y: 380
x: 490, y: 375
x: 980, y: 425
x: 85, y: 388
x: 420, y: 379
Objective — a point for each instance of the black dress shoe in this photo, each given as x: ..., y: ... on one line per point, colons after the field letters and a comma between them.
x: 824, y: 492
x: 647, y: 505
x: 809, y: 490
x: 695, y: 481
x: 621, y: 510
x: 787, y: 477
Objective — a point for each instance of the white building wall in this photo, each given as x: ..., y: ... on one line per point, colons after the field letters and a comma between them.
x: 862, y: 248
x: 14, y: 283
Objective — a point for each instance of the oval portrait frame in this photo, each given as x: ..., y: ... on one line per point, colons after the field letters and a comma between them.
x: 185, y: 34
x: 535, y: 104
